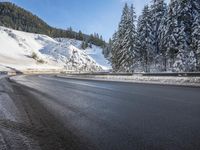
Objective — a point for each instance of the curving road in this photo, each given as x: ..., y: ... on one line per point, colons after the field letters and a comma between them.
x: 77, y: 114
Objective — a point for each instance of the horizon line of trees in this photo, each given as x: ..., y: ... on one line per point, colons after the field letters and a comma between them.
x: 164, y: 38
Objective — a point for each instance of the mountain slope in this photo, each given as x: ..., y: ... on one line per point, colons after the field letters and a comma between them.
x: 15, y: 17
x: 12, y: 16
x: 23, y: 51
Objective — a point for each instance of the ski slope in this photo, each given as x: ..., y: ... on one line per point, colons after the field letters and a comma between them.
x: 27, y: 51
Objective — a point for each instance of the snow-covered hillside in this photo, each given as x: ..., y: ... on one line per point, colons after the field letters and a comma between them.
x: 25, y: 51
x: 95, y: 51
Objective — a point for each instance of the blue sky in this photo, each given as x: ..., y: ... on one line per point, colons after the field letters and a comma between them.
x: 89, y: 16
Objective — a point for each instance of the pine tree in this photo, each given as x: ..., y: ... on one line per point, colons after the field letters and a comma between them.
x: 162, y: 43
x: 129, y: 49
x: 114, y: 52
x: 80, y: 35
x: 185, y: 21
x: 178, y: 34
x: 158, y: 10
x: 83, y: 45
x: 133, y: 36
x: 182, y: 58
x: 118, y: 48
x: 123, y: 26
x: 145, y: 39
x: 196, y: 31
x: 169, y: 35
x: 107, y: 49
x: 124, y: 50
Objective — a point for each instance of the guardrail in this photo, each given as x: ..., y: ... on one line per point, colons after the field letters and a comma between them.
x: 121, y: 74
x: 104, y: 73
x: 186, y: 74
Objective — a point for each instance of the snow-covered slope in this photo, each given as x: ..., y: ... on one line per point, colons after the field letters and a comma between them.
x: 22, y: 51
x: 95, y: 51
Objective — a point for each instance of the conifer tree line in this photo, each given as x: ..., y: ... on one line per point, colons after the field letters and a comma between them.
x: 164, y: 38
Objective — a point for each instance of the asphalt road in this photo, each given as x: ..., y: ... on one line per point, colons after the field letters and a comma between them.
x: 82, y: 114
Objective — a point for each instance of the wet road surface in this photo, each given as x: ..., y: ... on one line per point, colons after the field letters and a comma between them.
x: 82, y: 114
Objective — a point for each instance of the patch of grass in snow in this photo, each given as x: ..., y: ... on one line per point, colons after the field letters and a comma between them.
x: 41, y: 61
x: 35, y: 56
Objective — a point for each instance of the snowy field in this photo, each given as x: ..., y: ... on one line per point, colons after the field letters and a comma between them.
x: 21, y: 51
